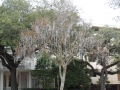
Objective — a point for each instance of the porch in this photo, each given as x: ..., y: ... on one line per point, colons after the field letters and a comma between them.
x: 23, y: 79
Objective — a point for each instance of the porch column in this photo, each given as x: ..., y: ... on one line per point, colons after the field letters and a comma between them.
x: 7, y: 80
x: 20, y: 80
x: 1, y: 80
x: 29, y: 80
x: 17, y: 77
x: 29, y: 75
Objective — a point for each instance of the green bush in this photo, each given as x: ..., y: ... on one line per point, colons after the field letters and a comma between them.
x: 38, y: 89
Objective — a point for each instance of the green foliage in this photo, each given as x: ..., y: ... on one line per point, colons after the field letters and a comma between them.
x: 15, y: 16
x: 109, y: 34
x: 77, y: 75
x: 10, y: 28
x: 109, y: 37
x: 45, y: 71
x: 38, y: 89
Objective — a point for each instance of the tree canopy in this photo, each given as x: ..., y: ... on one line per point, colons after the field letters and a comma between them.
x: 16, y: 15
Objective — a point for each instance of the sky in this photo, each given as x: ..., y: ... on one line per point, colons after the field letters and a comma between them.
x: 0, y: 2
x: 98, y: 12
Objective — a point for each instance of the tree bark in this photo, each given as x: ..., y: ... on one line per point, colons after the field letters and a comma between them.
x: 102, y: 79
x: 62, y: 83
x: 62, y: 71
x: 103, y: 76
x: 14, y: 84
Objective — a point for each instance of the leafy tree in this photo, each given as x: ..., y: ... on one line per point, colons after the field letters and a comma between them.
x: 106, y: 43
x: 57, y: 33
x: 15, y: 16
x: 60, y: 35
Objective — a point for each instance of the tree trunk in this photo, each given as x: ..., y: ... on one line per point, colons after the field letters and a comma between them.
x: 14, y: 85
x: 62, y: 76
x: 62, y: 83
x: 103, y: 77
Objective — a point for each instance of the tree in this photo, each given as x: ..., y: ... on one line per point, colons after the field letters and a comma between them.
x: 60, y: 40
x: 107, y: 43
x: 14, y: 18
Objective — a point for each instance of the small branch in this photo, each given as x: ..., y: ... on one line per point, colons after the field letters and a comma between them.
x: 60, y: 71
x: 94, y: 71
x: 3, y: 59
x: 4, y: 62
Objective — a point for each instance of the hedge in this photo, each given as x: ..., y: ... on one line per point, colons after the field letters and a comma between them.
x: 38, y: 89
